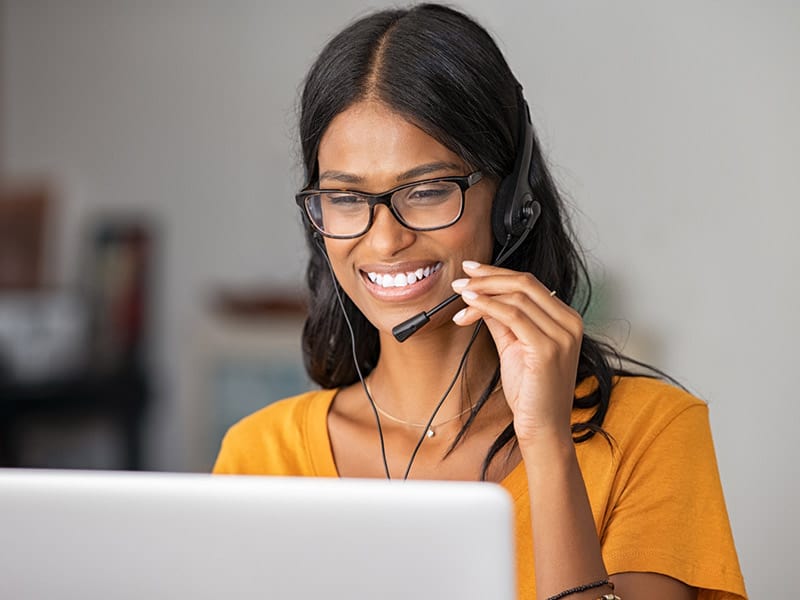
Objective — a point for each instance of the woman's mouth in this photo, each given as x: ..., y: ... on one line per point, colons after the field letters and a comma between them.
x: 402, y: 282
x: 402, y: 279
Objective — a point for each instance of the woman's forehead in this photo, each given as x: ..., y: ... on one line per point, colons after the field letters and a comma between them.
x: 368, y: 142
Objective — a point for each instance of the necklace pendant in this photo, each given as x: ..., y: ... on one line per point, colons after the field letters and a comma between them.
x: 430, y: 433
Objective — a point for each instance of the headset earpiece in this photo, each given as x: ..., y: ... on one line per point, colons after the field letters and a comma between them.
x: 499, y: 209
x: 515, y: 210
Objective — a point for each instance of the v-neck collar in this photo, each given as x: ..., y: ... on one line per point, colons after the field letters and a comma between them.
x: 320, y: 451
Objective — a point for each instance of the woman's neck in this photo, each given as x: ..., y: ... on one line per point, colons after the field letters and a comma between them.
x: 411, y: 377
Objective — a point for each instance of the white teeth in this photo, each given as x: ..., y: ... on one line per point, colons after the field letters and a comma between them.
x: 387, y: 280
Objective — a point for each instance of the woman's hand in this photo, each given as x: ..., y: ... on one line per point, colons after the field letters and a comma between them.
x: 538, y: 340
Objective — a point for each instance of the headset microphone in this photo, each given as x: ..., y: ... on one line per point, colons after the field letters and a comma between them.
x: 514, y: 214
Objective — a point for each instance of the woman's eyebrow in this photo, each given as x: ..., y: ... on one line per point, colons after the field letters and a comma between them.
x: 341, y: 176
x: 425, y: 169
x: 419, y: 171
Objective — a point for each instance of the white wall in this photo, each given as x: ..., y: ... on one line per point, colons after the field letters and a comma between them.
x: 672, y: 126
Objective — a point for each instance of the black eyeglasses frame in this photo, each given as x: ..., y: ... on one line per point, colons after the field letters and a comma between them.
x: 464, y: 183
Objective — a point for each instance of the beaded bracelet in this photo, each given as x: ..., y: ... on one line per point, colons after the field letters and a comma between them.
x: 588, y: 586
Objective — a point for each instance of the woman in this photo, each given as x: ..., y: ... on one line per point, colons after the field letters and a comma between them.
x: 423, y: 171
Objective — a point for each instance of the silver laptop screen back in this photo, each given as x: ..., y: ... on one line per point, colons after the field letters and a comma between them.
x: 132, y: 536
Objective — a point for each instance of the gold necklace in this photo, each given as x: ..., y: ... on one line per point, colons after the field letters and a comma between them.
x: 431, y: 432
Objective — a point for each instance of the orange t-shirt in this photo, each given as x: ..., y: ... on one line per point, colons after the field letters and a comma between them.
x: 656, y: 496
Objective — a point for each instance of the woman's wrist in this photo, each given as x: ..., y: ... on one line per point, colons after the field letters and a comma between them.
x: 547, y: 440
x: 547, y: 455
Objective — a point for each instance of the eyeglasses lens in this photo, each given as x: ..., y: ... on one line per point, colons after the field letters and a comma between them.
x: 429, y: 205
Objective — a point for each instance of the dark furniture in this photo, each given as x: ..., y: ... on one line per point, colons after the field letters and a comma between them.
x: 117, y: 399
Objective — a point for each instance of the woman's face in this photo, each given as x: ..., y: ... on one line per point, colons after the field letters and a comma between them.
x: 369, y: 148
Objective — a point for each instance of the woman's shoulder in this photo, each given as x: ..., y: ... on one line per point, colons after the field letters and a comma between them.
x: 288, y: 412
x: 281, y: 438
x: 643, y: 394
x: 633, y: 395
x: 652, y: 393
x: 642, y: 408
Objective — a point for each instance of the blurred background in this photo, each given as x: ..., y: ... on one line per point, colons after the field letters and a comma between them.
x: 151, y: 257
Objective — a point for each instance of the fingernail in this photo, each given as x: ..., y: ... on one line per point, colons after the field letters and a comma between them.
x: 470, y: 264
x: 459, y: 284
x: 459, y: 315
x: 469, y: 295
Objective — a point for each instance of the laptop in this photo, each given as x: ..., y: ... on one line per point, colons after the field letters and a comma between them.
x: 90, y: 535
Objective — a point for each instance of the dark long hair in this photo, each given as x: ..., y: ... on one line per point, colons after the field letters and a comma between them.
x: 443, y: 72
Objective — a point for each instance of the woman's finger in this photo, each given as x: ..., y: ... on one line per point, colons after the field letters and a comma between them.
x: 517, y: 292
x: 528, y: 323
x: 487, y: 279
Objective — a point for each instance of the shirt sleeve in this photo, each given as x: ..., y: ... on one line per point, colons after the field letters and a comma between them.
x: 669, y: 514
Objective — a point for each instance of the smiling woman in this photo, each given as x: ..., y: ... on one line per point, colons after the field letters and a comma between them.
x: 424, y: 178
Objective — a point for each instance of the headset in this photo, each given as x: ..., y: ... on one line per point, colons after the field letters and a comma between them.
x: 515, y: 211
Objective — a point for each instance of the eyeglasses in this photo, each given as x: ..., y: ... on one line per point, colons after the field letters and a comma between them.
x: 421, y: 206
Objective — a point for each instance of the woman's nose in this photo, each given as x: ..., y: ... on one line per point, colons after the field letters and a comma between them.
x: 388, y: 235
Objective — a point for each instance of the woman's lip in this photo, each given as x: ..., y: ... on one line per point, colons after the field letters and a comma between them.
x: 403, y: 267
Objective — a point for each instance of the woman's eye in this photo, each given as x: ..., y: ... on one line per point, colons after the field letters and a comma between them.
x: 344, y: 199
x: 429, y: 194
